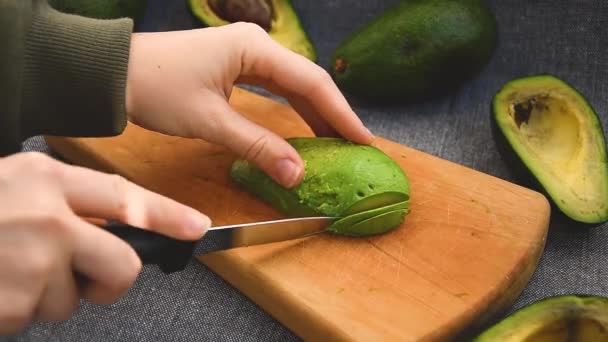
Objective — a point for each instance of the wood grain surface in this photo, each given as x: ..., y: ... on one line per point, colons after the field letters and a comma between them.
x: 464, y: 253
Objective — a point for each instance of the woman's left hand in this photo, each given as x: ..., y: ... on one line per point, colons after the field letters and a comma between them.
x: 179, y: 84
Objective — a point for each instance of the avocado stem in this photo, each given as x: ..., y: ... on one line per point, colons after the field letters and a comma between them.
x: 340, y: 65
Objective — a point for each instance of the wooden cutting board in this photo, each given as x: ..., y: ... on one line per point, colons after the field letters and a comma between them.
x: 464, y: 253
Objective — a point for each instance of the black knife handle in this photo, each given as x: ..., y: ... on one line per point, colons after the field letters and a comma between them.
x: 171, y: 255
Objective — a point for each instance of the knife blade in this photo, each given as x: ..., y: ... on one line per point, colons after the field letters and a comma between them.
x: 172, y: 255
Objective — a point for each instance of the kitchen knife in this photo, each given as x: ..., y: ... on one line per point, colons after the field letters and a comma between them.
x: 172, y: 255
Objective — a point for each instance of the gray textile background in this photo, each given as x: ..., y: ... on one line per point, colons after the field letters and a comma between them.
x: 566, y: 38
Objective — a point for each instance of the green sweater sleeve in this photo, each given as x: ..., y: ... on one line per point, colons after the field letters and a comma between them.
x: 60, y: 74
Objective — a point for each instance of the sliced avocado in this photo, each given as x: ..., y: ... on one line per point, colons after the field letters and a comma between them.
x: 551, y: 137
x: 277, y: 17
x: 341, y: 179
x: 415, y: 50
x: 101, y: 9
x: 378, y: 224
x: 376, y: 201
x: 569, y: 318
x: 347, y: 224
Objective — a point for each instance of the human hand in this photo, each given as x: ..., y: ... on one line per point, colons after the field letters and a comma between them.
x: 44, y: 238
x: 179, y: 84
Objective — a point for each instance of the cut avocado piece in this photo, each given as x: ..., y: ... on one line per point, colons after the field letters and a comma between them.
x: 378, y: 224
x: 568, y: 318
x: 101, y: 9
x: 277, y: 17
x: 377, y: 201
x: 416, y: 50
x: 341, y: 178
x: 347, y: 224
x: 551, y: 137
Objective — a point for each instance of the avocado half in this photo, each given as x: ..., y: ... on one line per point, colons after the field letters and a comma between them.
x: 277, y: 17
x: 415, y: 50
x: 552, y: 138
x: 363, y: 187
x: 569, y: 318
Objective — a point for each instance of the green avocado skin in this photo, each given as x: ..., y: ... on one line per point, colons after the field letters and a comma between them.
x: 101, y: 9
x: 550, y: 313
x: 416, y: 50
x: 338, y: 174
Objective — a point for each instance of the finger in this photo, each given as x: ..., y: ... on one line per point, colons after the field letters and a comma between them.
x: 16, y: 311
x: 297, y: 75
x: 20, y: 289
x: 318, y: 125
x: 95, y: 194
x: 60, y: 297
x: 109, y: 264
x: 267, y: 150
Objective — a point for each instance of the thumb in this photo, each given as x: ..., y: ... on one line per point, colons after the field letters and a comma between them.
x: 258, y: 145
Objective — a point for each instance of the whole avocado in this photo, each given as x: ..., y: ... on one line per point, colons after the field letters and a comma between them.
x: 416, y: 50
x: 101, y: 9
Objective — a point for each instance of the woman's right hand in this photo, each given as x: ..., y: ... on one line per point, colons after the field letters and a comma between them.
x: 45, y: 238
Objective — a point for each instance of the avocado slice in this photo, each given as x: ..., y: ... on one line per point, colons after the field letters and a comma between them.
x: 341, y: 179
x: 553, y: 140
x: 568, y: 318
x: 277, y: 17
x: 355, y: 224
x: 378, y: 224
x: 101, y: 9
x: 376, y: 201
x: 415, y: 50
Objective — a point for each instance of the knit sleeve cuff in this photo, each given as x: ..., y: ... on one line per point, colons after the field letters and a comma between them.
x: 75, y: 75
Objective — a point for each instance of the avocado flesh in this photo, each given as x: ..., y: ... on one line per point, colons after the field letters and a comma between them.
x: 568, y: 318
x: 285, y: 27
x: 339, y: 176
x: 376, y: 201
x: 349, y: 224
x: 101, y: 9
x: 378, y: 224
x: 559, y: 139
x: 415, y: 50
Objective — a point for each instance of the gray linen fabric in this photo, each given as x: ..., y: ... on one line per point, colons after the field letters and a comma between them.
x: 565, y: 38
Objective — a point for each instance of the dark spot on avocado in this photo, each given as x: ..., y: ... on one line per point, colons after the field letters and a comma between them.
x: 370, y: 186
x: 254, y: 11
x: 522, y: 112
x: 360, y: 193
x: 340, y: 65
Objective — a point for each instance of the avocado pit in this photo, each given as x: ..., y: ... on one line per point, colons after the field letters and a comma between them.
x: 254, y: 11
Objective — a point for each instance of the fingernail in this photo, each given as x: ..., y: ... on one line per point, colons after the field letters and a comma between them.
x: 288, y: 172
x: 198, y: 224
